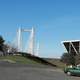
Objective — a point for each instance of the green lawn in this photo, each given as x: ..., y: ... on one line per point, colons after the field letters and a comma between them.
x: 56, y: 61
x: 17, y: 59
x: 25, y: 60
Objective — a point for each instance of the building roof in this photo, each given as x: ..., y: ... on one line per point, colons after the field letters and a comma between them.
x: 72, y: 46
x: 70, y: 41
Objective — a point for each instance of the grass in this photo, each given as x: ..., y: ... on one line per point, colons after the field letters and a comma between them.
x: 17, y: 59
x: 25, y: 60
x: 55, y: 61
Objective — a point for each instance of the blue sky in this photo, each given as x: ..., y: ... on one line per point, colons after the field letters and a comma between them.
x: 54, y: 21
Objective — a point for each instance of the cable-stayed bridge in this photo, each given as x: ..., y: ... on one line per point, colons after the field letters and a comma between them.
x: 27, y: 48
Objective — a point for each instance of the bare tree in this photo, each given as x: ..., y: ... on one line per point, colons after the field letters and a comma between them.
x: 68, y: 58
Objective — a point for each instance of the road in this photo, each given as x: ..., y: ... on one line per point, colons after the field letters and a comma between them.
x: 30, y: 72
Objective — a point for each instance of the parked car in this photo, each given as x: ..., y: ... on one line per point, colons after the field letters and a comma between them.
x: 72, y: 70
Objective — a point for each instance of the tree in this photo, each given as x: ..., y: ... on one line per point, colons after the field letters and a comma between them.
x: 1, y: 40
x: 1, y: 43
x: 6, y: 48
x: 68, y: 58
x: 77, y: 58
x: 10, y: 49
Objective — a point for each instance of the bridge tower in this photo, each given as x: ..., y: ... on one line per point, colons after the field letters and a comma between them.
x: 31, y: 40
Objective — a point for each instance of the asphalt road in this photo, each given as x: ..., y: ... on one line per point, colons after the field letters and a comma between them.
x: 30, y: 72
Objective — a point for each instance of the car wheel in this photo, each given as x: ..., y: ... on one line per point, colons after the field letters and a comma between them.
x: 68, y: 73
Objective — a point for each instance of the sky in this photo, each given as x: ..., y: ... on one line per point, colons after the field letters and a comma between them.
x: 54, y: 21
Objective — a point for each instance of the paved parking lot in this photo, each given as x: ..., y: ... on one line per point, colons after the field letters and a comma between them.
x: 28, y: 72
